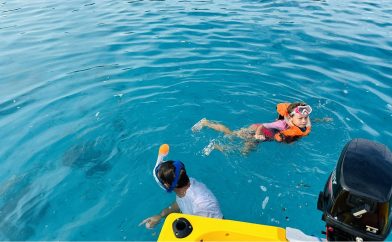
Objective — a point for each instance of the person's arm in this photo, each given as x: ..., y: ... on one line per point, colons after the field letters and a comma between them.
x: 258, y: 134
x: 171, y: 209
x: 258, y: 130
x: 278, y: 125
x: 152, y: 221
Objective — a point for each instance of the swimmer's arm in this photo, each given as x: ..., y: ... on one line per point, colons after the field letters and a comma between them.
x: 152, y: 221
x: 259, y: 128
x: 278, y: 125
x: 258, y: 134
x: 171, y: 209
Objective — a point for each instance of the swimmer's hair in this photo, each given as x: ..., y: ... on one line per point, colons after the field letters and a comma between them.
x: 166, y: 174
x: 291, y: 107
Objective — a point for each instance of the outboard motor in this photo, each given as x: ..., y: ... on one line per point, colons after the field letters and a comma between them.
x: 356, y: 201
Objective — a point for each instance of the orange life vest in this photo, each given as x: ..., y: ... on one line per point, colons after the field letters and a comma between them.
x: 291, y: 134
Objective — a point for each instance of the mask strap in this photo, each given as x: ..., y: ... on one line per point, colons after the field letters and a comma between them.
x: 155, y: 173
x: 178, y: 165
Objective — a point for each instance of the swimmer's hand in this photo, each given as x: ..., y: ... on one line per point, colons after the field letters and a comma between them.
x: 151, y: 222
x: 259, y: 137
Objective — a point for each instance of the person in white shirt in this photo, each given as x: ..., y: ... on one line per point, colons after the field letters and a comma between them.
x: 192, y: 197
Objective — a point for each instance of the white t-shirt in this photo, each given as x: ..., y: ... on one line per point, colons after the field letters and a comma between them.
x: 199, y: 200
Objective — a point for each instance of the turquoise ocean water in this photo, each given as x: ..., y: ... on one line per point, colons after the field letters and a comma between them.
x: 90, y: 89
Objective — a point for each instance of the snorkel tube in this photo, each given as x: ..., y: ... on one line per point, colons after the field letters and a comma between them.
x: 162, y: 153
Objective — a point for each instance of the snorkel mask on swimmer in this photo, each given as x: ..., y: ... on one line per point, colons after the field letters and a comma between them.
x: 163, y: 152
x: 302, y: 110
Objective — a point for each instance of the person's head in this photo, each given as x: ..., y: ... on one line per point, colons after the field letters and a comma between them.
x: 172, y: 175
x: 299, y: 114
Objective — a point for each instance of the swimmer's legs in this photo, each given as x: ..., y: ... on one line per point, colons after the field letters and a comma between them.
x: 219, y: 147
x: 212, y: 125
x: 213, y: 145
x: 218, y: 127
x: 248, y: 147
x: 244, y: 133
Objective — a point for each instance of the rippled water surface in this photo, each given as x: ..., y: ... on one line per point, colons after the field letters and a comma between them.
x: 88, y: 91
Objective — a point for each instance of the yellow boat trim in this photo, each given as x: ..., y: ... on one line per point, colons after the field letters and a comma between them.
x: 211, y: 229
